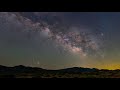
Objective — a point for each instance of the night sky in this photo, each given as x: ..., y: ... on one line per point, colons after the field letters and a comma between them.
x: 56, y: 40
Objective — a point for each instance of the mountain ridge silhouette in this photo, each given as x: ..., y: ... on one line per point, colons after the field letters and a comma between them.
x: 21, y: 71
x: 71, y: 69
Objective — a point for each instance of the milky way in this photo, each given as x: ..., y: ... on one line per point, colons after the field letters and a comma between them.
x: 38, y: 37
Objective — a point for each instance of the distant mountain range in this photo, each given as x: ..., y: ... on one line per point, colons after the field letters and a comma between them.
x: 22, y: 68
x: 74, y: 72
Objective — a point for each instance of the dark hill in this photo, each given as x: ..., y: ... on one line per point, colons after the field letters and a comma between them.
x: 19, y: 69
x: 78, y: 69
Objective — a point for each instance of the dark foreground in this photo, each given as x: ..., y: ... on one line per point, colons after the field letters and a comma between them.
x: 75, y: 72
